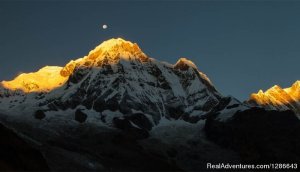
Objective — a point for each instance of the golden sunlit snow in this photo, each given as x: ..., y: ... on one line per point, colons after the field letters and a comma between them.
x: 43, y: 80
x: 51, y: 77
x: 279, y: 97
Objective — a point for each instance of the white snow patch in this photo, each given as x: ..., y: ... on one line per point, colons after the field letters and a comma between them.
x: 225, y: 114
x: 134, y: 125
x: 177, y: 131
x: 187, y: 62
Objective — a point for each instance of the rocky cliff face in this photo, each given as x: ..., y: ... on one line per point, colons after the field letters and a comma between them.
x: 277, y: 98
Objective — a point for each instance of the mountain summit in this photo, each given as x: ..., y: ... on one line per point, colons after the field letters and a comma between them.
x: 109, y: 52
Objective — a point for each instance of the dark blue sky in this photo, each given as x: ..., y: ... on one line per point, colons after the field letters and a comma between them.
x: 242, y: 46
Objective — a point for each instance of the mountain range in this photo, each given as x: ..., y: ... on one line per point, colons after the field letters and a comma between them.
x: 278, y: 98
x: 119, y: 109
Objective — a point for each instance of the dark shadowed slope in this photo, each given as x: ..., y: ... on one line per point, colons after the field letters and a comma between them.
x: 17, y: 155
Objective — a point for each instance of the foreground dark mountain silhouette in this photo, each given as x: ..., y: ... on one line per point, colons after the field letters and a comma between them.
x: 17, y: 155
x: 118, y: 109
x: 260, y: 136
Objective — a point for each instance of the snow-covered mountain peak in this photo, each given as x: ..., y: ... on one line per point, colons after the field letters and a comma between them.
x: 260, y: 92
x: 296, y: 85
x: 274, y: 88
x: 118, y: 44
x: 109, y: 52
x: 115, y: 48
x: 184, y: 64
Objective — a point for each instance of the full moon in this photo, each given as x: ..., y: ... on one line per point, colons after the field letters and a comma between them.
x: 104, y: 26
